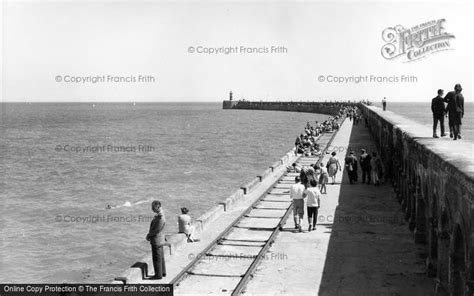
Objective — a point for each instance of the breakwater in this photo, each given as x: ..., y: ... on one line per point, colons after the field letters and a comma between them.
x: 433, y: 181
x: 329, y: 108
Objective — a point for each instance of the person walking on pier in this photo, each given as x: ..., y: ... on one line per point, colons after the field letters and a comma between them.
x: 310, y: 175
x: 333, y: 166
x: 384, y: 103
x: 323, y: 178
x: 455, y: 110
x: 377, y: 169
x: 438, y: 109
x: 364, y: 160
x: 351, y: 166
x: 312, y: 204
x: 156, y: 238
x: 298, y: 143
x: 296, y: 194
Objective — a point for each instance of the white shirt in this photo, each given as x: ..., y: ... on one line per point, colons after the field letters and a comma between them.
x: 296, y: 191
x: 313, y: 195
x: 184, y: 223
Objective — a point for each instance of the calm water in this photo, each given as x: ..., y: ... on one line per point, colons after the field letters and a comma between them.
x: 201, y: 155
x: 421, y: 112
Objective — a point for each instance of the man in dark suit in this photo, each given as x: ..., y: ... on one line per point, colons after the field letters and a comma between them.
x: 157, y: 240
x: 438, y: 109
x: 455, y: 110
x: 351, y: 166
x: 364, y: 161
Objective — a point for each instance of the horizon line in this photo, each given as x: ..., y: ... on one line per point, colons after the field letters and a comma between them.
x: 141, y: 102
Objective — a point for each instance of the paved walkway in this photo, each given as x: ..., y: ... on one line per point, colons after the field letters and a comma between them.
x: 362, y: 245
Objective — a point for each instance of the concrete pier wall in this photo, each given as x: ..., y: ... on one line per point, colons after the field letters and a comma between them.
x: 176, y: 241
x: 311, y: 107
x: 433, y: 180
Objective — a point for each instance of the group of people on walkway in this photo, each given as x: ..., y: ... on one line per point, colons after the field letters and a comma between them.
x: 306, y: 143
x: 454, y: 109
x: 306, y: 183
x: 306, y: 186
x: 298, y: 193
x: 370, y: 165
x: 311, y: 181
x: 354, y: 115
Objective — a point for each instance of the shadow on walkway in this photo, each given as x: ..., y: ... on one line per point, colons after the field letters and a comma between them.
x: 371, y: 251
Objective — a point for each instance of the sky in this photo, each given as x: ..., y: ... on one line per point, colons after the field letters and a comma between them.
x: 155, y: 51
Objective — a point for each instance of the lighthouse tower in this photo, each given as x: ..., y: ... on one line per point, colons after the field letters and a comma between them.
x: 230, y: 103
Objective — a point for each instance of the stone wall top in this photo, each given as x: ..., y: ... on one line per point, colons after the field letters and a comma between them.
x: 459, y: 154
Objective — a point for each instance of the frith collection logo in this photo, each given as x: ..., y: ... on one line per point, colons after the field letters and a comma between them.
x: 416, y: 42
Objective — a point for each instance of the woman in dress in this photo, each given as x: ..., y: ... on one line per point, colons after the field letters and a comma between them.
x: 184, y: 225
x: 310, y: 175
x: 377, y: 169
x: 333, y: 166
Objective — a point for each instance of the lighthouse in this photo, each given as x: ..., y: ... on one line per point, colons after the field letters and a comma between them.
x: 229, y: 104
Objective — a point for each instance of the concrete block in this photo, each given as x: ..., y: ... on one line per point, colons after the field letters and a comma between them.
x: 247, y: 188
x: 239, y: 194
x: 197, y: 227
x: 275, y: 166
x: 211, y: 215
x: 174, y: 241
x: 132, y: 275
x: 265, y: 174
x: 227, y: 203
x: 120, y: 280
x: 268, y: 172
x: 143, y: 267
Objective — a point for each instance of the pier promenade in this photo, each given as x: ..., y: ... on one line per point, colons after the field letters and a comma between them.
x: 362, y: 245
x: 409, y: 236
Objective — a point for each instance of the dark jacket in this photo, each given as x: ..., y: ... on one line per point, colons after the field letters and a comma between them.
x: 156, y: 235
x: 437, y: 106
x: 365, y: 161
x: 351, y: 161
x: 455, y: 102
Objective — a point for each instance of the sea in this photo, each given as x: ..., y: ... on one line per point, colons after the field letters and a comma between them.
x: 63, y: 164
